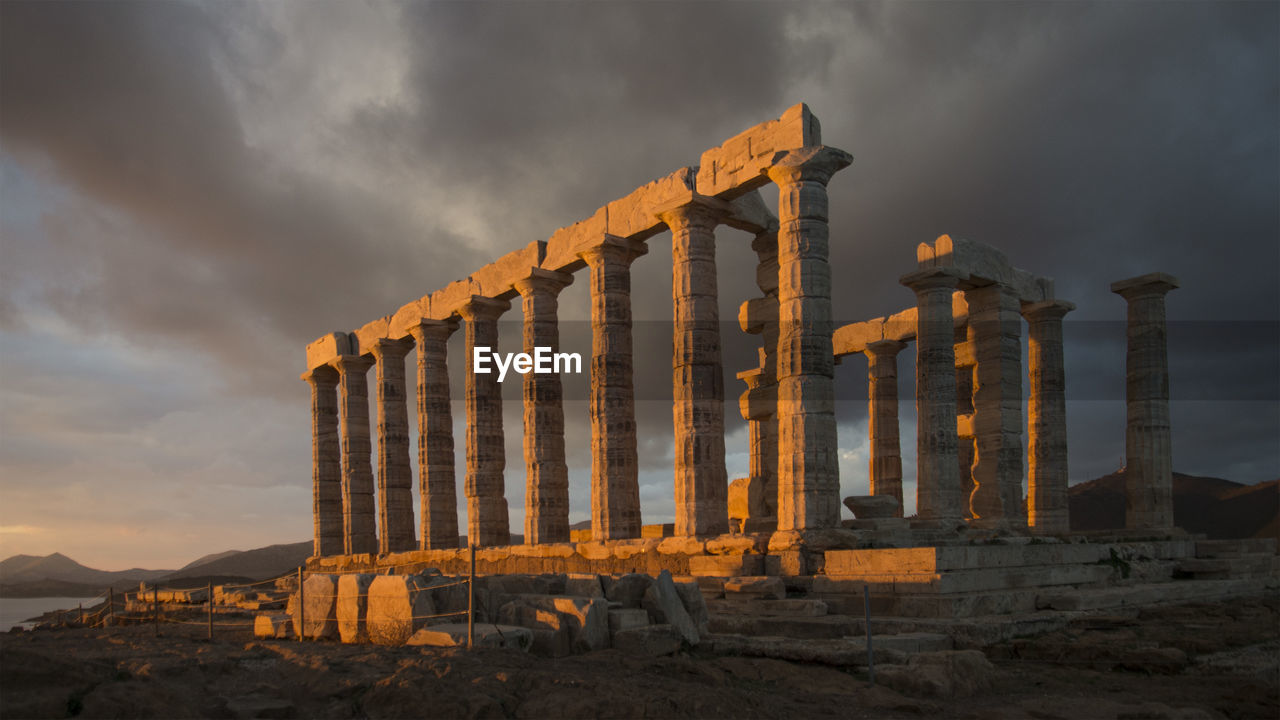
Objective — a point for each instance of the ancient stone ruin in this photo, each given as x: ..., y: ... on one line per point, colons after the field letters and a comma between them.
x: 967, y: 552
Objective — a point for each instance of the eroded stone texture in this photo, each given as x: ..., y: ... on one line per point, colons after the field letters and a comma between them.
x: 701, y: 481
x: 546, y: 503
x: 615, y: 483
x: 1047, y: 502
x: 437, y: 483
x: 938, y: 478
x: 759, y: 403
x: 326, y: 461
x: 487, y: 521
x: 808, y: 462
x: 995, y: 329
x: 359, y: 530
x: 395, y: 476
x: 1148, y: 451
x: 886, y: 450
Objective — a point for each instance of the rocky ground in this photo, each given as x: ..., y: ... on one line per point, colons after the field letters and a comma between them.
x: 1210, y: 660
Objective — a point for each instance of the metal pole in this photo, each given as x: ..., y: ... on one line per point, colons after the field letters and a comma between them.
x: 111, y: 604
x: 302, y: 609
x: 81, y: 608
x: 155, y: 608
x: 471, y: 599
x: 871, y: 659
x: 210, y: 598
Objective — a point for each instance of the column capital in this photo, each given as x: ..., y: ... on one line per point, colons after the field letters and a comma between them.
x: 320, y: 376
x: 693, y: 210
x: 387, y: 347
x: 816, y: 163
x: 884, y: 348
x: 480, y: 307
x: 1156, y: 283
x: 352, y: 363
x: 432, y: 329
x: 613, y: 248
x: 1047, y: 310
x: 539, y: 281
x: 933, y: 278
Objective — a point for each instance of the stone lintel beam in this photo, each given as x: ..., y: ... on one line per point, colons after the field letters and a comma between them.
x: 808, y: 467
x: 358, y: 523
x: 437, y: 484
x: 615, y: 487
x: 487, y: 515
x: 1048, y: 509
x: 326, y: 461
x: 546, y: 516
x: 1148, y: 442
x: 885, y: 464
x: 701, y: 481
x: 938, y: 493
x: 325, y: 349
x: 740, y: 164
x: 750, y: 214
x: 395, y: 475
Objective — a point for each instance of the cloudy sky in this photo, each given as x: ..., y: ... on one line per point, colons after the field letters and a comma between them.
x: 190, y: 192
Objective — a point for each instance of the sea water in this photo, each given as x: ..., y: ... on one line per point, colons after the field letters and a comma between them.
x: 13, y: 611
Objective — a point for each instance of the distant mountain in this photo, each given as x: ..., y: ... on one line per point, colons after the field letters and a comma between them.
x: 260, y: 564
x: 59, y: 567
x: 1220, y: 509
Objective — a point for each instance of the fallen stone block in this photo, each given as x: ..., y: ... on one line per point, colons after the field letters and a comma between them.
x: 271, y: 626
x: 627, y: 618
x: 652, y: 640
x: 628, y: 589
x: 398, y: 605
x: 552, y: 631
x: 319, y: 611
x: 666, y: 607
x: 762, y: 587
x: 353, y: 605
x: 486, y: 635
x: 694, y: 602
x: 583, y: 585
x: 586, y: 620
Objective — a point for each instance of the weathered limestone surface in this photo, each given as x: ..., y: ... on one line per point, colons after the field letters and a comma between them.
x: 808, y: 463
x: 327, y: 348
x: 995, y: 331
x: 546, y: 502
x: 487, y: 520
x: 665, y: 601
x: 319, y: 605
x: 886, y: 450
x: 326, y: 461
x: 701, y: 481
x: 352, y: 607
x: 274, y: 626
x: 938, y: 481
x: 437, y: 488
x: 398, y: 605
x: 359, y: 532
x: 1148, y: 451
x: 1047, y: 502
x: 615, y: 483
x: 395, y: 477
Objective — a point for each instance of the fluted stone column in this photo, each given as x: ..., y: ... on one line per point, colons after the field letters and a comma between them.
x: 395, y: 476
x: 615, y: 480
x: 808, y: 455
x: 938, y: 474
x: 701, y: 481
x: 886, y: 451
x: 1047, y: 502
x: 358, y: 528
x: 437, y: 483
x: 995, y: 330
x: 1147, y: 442
x: 487, y: 520
x: 546, y: 497
x: 326, y: 462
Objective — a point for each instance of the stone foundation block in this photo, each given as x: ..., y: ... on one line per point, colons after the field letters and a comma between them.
x: 627, y: 618
x: 583, y: 585
x: 763, y: 587
x: 628, y: 589
x: 352, y: 610
x: 319, y: 597
x: 271, y: 626
x: 726, y: 565
x: 398, y: 605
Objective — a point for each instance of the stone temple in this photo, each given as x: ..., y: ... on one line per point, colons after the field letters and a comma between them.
x: 975, y: 545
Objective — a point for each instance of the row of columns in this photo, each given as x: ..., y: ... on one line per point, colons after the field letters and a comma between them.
x: 800, y: 365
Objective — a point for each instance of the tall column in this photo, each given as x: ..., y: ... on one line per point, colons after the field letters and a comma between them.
x: 546, y: 497
x: 358, y: 529
x: 437, y: 484
x: 326, y: 461
x: 808, y: 456
x: 395, y: 477
x: 938, y: 474
x: 765, y: 246
x: 995, y: 329
x: 615, y: 480
x: 1147, y: 443
x: 1047, y: 503
x: 701, y: 481
x: 886, y: 451
x: 487, y: 521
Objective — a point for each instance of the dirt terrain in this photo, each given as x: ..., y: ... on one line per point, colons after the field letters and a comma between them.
x: 1210, y: 660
